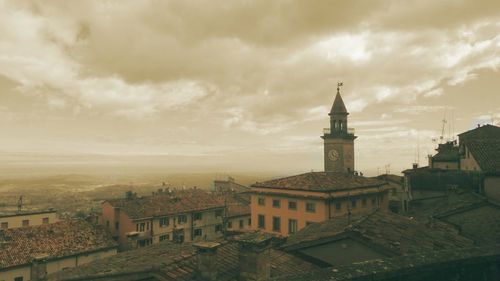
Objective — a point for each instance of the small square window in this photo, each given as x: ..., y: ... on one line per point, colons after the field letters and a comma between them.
x: 292, y: 205
x: 197, y: 216
x: 261, y: 201
x: 241, y: 223
x: 338, y: 206
x: 26, y: 222
x: 19, y: 278
x: 182, y: 219
x: 276, y: 203
x: 198, y: 232
x: 164, y: 237
x: 45, y: 221
x: 353, y: 204
x: 310, y: 207
x: 164, y: 222
x: 218, y: 228
x: 363, y: 202
x: 4, y: 225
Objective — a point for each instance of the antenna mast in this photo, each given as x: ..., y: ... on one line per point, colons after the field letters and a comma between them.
x: 442, y: 128
x: 20, y: 203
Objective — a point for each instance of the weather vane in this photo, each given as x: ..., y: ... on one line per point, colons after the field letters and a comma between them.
x: 339, y: 84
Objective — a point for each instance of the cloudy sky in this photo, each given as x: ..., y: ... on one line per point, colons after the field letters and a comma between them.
x: 240, y: 85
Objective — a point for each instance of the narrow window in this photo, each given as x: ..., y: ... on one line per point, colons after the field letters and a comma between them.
x: 261, y: 201
x: 262, y: 221
x: 276, y: 203
x: 197, y: 216
x: 292, y: 226
x: 198, y: 232
x: 292, y: 205
x: 276, y: 224
x: 45, y: 221
x: 310, y: 207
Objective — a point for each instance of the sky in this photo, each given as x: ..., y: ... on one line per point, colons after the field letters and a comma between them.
x: 240, y: 86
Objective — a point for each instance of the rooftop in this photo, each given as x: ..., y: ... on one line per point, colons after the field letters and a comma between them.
x: 26, y: 213
x: 168, y: 203
x: 338, y: 105
x: 322, y: 182
x: 486, y: 153
x: 393, y: 234
x: 172, y: 261
x: 483, y: 132
x: 19, y: 245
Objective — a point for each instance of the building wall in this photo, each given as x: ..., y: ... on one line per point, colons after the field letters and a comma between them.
x: 234, y: 223
x: 323, y: 209
x: 445, y: 165
x: 492, y: 188
x: 468, y: 163
x: 56, y: 265
x: 34, y: 219
x: 9, y: 275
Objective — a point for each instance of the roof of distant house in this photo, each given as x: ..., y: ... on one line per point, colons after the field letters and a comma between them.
x: 168, y: 203
x: 486, y: 153
x: 173, y: 261
x: 483, y: 132
x: 26, y: 213
x: 321, y: 181
x: 447, y: 152
x: 19, y: 246
x: 391, y: 233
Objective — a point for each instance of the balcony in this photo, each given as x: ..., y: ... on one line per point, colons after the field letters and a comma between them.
x: 328, y: 131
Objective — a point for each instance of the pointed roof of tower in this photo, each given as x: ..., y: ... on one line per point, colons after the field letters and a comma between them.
x: 338, y: 105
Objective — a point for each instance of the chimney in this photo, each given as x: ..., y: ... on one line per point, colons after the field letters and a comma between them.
x: 415, y: 166
x: 207, y: 260
x: 39, y: 267
x: 255, y: 258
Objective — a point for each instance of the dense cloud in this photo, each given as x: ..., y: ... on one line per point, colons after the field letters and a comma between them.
x: 240, y: 77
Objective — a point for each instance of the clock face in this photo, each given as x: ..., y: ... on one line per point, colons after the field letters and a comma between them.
x: 333, y: 155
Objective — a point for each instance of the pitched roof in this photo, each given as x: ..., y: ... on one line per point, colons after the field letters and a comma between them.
x: 173, y: 261
x: 389, y: 232
x: 19, y: 245
x: 484, y: 132
x: 486, y: 153
x: 163, y: 204
x: 321, y: 181
x: 338, y: 105
x: 238, y: 204
x: 447, y: 152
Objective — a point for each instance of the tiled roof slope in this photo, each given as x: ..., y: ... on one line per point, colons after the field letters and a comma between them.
x: 321, y: 181
x: 177, y: 262
x: 481, y: 223
x: 338, y: 105
x: 19, y: 245
x: 486, y: 153
x: 484, y: 132
x: 392, y: 233
x: 167, y: 203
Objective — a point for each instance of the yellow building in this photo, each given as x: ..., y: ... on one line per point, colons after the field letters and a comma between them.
x: 28, y: 218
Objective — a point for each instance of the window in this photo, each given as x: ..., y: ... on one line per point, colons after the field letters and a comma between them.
x: 182, y: 219
x: 164, y: 222
x: 277, y: 224
x: 309, y: 222
x: 164, y: 237
x: 229, y: 224
x: 338, y: 206
x: 107, y: 223
x: 141, y: 227
x: 45, y: 221
x: 18, y: 278
x: 197, y: 216
x: 218, y: 213
x: 198, y: 232
x: 353, y: 204
x: 261, y: 201
x: 241, y: 224
x: 292, y: 205
x: 374, y: 201
x: 310, y: 207
x: 4, y: 225
x: 143, y: 243
x: 218, y: 228
x: 26, y: 222
x: 276, y: 203
x: 292, y: 226
x: 147, y: 225
x: 117, y: 225
x: 249, y: 221
x: 262, y: 221
x: 363, y: 202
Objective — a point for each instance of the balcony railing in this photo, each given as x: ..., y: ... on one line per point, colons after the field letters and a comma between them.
x: 350, y: 131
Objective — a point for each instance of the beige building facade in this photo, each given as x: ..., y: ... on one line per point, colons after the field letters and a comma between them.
x: 23, y: 219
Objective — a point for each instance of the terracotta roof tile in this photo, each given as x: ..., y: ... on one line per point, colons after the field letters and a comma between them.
x: 19, y: 245
x: 182, y: 201
x: 321, y: 181
x: 486, y: 153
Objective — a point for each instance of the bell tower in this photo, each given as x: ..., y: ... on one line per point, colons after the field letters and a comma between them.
x: 339, y: 139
